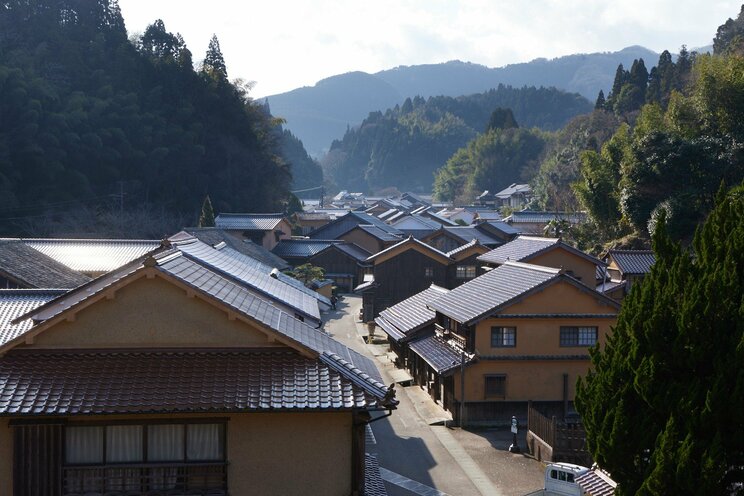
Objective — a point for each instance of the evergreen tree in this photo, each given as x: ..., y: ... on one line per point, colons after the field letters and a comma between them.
x: 600, y: 103
x: 502, y: 118
x: 662, y: 405
x: 206, y: 218
x: 214, y: 63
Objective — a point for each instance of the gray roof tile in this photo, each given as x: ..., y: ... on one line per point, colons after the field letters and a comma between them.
x: 93, y: 255
x: 519, y: 249
x: 412, y: 313
x: 34, y: 269
x: 248, y: 222
x: 346, y: 223
x: 301, y: 248
x: 634, y: 262
x: 17, y: 302
x: 213, y: 236
x: 484, y: 294
x: 65, y: 383
x: 437, y: 353
x: 469, y: 233
x: 252, y: 273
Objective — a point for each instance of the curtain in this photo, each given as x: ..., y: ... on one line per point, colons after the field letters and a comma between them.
x: 165, y: 443
x: 83, y: 445
x: 123, y: 443
x: 204, y: 442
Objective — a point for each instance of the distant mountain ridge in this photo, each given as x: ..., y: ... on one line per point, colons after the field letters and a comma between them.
x: 319, y: 114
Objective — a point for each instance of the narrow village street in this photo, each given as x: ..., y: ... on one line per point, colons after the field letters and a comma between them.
x: 416, y: 457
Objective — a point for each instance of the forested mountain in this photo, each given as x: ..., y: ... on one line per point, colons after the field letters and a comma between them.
x: 89, y: 119
x: 405, y: 145
x: 321, y: 113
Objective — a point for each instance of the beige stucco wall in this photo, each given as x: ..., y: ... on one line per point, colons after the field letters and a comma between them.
x: 538, y: 380
x: 151, y: 313
x: 269, y: 240
x: 560, y: 258
x: 6, y: 458
x: 268, y: 453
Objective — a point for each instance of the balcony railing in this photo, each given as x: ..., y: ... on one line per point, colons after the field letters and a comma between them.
x: 192, y: 479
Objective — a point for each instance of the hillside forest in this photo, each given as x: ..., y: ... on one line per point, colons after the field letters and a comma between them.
x: 125, y: 137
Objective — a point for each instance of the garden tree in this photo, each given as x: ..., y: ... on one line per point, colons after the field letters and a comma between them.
x: 307, y: 273
x: 206, y: 218
x: 294, y: 205
x: 662, y: 404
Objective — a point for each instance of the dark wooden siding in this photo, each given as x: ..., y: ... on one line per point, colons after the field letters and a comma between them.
x: 334, y: 261
x: 405, y: 275
x: 453, y: 281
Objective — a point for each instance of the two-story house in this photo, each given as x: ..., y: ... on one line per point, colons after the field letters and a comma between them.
x: 518, y: 333
x: 171, y: 375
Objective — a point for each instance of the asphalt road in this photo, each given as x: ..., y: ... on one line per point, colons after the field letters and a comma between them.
x: 416, y: 458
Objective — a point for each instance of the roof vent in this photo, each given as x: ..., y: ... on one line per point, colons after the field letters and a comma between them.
x: 274, y: 273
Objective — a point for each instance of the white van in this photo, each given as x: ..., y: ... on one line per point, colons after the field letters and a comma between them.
x: 560, y: 479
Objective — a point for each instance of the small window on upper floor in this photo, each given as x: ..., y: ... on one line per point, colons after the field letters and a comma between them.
x: 465, y: 272
x: 503, y: 337
x: 578, y: 336
x: 428, y: 271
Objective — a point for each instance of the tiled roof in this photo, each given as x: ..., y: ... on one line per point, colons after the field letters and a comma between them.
x: 596, y: 483
x: 424, y: 222
x: 346, y: 223
x: 469, y: 233
x: 242, y: 268
x: 412, y: 241
x: 389, y: 329
x: 519, y: 249
x: 514, y: 188
x: 503, y: 227
x: 74, y: 383
x: 412, y: 313
x: 34, y: 269
x: 609, y: 286
x: 380, y: 234
x: 300, y: 286
x: 213, y: 236
x: 437, y: 353
x: 17, y: 302
x: 633, y: 261
x: 248, y: 222
x: 354, y: 251
x: 230, y: 293
x: 301, y: 248
x: 544, y: 217
x: 93, y: 255
x: 490, y: 216
x: 485, y: 294
x: 464, y: 247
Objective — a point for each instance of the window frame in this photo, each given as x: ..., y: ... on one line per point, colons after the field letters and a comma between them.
x: 501, y: 378
x: 468, y: 272
x: 571, y: 336
x: 495, y: 332
x: 145, y: 424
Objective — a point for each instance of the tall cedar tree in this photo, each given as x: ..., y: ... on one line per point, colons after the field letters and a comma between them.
x: 206, y: 218
x: 663, y: 405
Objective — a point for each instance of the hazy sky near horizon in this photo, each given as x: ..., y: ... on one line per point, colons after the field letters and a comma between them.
x: 286, y: 44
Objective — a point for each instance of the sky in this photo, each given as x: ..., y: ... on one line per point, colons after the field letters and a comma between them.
x: 281, y: 45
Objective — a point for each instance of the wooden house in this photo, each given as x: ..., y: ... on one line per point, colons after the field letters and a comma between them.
x: 518, y: 333
x: 624, y: 269
x: 447, y: 238
x: 549, y: 252
x: 161, y: 378
x: 534, y: 222
x: 342, y: 262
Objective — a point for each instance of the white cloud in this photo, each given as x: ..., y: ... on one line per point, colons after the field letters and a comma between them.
x: 284, y: 44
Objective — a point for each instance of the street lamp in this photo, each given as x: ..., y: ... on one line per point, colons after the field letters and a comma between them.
x: 514, y: 448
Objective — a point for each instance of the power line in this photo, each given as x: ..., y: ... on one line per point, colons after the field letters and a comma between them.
x: 307, y: 189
